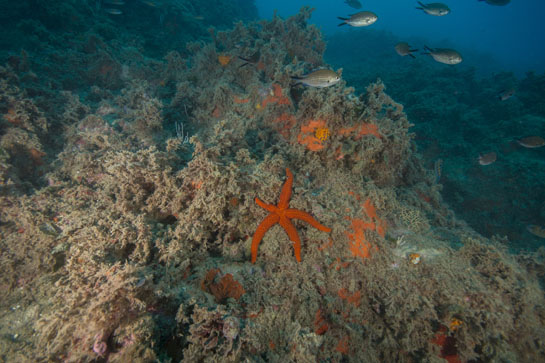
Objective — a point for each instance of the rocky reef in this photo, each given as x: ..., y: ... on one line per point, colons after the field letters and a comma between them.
x: 459, y: 114
x: 126, y: 220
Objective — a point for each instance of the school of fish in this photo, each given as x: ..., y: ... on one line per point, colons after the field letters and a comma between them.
x: 446, y: 56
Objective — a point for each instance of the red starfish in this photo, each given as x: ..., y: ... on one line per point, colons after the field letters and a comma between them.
x: 281, y: 214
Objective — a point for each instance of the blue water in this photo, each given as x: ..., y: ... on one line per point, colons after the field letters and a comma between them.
x: 513, y: 34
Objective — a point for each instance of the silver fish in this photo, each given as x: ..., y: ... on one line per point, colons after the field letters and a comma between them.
x: 435, y: 9
x: 488, y: 158
x: 152, y: 3
x: 444, y: 55
x: 497, y: 2
x: 353, y: 3
x: 404, y: 49
x: 532, y: 142
x: 320, y: 78
x: 506, y: 94
x: 437, y: 169
x: 114, y: 2
x: 536, y: 230
x: 253, y: 59
x: 113, y: 11
x: 363, y: 18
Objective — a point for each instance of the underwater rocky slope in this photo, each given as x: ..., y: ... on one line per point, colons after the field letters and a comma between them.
x: 459, y: 115
x: 127, y: 238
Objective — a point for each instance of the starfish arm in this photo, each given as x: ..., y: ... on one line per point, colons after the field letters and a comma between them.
x: 266, y: 206
x: 263, y: 227
x: 304, y: 216
x: 293, y: 235
x: 285, y: 194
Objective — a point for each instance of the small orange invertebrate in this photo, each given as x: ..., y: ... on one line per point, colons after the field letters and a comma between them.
x: 307, y: 135
x: 197, y: 184
x: 455, y: 324
x: 338, y: 154
x: 414, y: 258
x: 240, y: 100
x: 363, y: 129
x: 225, y: 288
x: 353, y: 299
x: 338, y: 264
x: 320, y: 324
x: 286, y: 122
x: 372, y: 213
x: 224, y: 59
x: 11, y: 117
x: 342, y: 346
x: 326, y: 245
x: 358, y: 244
x: 322, y: 133
x: 254, y: 315
x: 447, y: 344
x: 276, y: 97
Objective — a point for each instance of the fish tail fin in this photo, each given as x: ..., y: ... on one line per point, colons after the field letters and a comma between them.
x: 341, y: 24
x: 246, y: 61
x: 420, y: 3
x: 427, y: 50
x: 412, y: 56
x: 413, y: 50
x: 419, y: 8
x: 341, y: 18
x: 296, y: 80
x: 296, y: 83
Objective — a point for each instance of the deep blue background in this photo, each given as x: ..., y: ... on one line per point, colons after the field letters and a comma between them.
x: 513, y: 34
